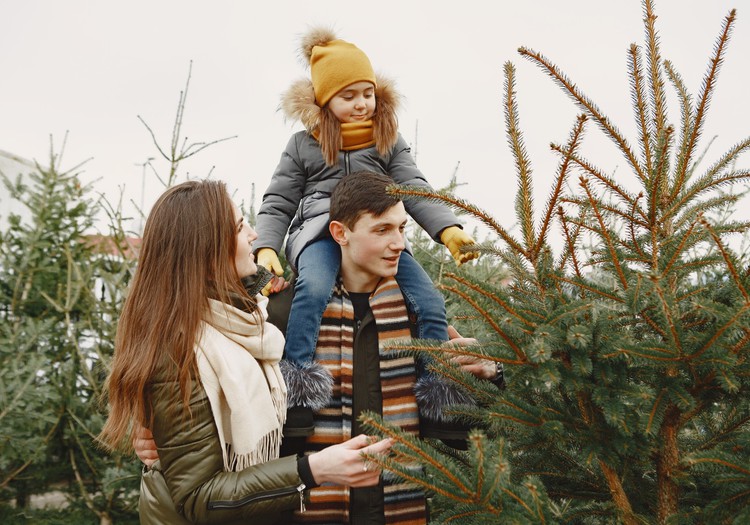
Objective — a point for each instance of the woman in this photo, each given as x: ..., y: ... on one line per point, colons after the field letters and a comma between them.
x: 196, y: 362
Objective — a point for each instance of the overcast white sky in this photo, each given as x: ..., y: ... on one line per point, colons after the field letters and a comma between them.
x: 90, y: 68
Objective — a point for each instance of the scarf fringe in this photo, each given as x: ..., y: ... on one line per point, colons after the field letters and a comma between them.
x: 238, y: 356
x: 266, y: 450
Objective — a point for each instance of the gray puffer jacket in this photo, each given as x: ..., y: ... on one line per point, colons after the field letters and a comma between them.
x: 297, y: 200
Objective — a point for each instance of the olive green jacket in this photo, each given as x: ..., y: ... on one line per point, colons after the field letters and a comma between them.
x: 188, y: 483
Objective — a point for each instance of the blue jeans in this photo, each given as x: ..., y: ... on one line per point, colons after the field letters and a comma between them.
x: 317, y: 268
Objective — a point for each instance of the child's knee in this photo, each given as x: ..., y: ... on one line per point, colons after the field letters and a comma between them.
x: 314, y: 287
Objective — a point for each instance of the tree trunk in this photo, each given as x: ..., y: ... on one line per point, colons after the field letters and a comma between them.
x: 667, y: 492
x: 619, y: 497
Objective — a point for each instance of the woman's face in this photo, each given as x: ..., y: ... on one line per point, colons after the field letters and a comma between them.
x: 244, y: 260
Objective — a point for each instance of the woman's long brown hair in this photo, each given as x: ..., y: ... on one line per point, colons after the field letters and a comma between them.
x: 187, y: 256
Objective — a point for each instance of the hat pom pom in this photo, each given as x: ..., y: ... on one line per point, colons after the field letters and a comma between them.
x: 317, y: 36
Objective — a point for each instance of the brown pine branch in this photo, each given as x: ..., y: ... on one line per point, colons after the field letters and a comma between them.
x: 671, y: 322
x: 605, y: 234
x: 659, y: 349
x: 425, y: 458
x: 591, y: 289
x: 695, y: 191
x: 463, y: 515
x: 727, y: 259
x: 520, y: 354
x: 655, y: 408
x: 570, y: 241
x: 481, y: 215
x: 494, y: 297
x: 639, y: 104
x: 623, y: 215
x: 725, y: 160
x: 725, y: 433
x: 722, y: 462
x: 498, y: 415
x: 10, y: 476
x: 736, y: 347
x: 519, y: 501
x: 706, y: 93
x: 607, y: 181
x: 588, y: 106
x: 498, y: 474
x: 686, y: 113
x: 655, y: 327
x: 729, y: 324
x: 631, y: 229
x: 524, y: 195
x: 678, y: 251
x: 576, y: 135
x: 657, y: 196
x: 617, y: 491
x: 658, y: 98
x: 643, y: 355
x: 570, y: 313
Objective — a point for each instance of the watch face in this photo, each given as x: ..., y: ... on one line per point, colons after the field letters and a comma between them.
x: 499, y: 379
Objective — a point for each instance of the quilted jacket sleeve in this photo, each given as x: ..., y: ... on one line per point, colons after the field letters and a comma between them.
x: 281, y: 199
x: 192, y: 465
x: 432, y: 216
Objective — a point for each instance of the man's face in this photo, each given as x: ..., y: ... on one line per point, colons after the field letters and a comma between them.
x: 373, y: 247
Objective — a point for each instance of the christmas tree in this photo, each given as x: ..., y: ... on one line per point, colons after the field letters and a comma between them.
x: 626, y: 355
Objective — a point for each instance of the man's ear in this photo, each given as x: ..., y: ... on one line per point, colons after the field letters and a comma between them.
x: 338, y: 232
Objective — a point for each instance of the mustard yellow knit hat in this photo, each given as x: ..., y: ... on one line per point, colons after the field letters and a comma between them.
x: 334, y: 64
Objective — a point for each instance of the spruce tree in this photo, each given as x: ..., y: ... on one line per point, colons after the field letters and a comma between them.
x: 626, y: 355
x: 60, y: 289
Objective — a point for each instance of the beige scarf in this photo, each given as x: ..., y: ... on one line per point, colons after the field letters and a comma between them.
x: 238, y: 360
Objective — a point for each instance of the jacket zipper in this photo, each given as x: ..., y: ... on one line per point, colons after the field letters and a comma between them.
x: 347, y: 167
x: 214, y: 505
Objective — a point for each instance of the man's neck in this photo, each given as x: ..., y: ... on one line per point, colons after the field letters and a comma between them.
x: 359, y: 282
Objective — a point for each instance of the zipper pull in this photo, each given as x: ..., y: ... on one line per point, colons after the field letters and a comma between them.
x: 301, y: 489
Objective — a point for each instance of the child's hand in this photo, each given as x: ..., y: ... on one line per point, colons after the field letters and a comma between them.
x: 454, y: 238
x: 267, y: 257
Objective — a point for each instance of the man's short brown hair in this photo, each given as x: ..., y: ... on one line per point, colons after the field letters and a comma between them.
x: 359, y: 193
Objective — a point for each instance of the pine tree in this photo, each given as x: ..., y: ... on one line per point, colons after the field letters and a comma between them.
x: 59, y: 293
x: 628, y: 380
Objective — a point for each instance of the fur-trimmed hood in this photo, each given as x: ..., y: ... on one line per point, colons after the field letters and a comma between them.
x: 298, y: 105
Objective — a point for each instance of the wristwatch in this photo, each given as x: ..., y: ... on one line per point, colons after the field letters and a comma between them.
x: 499, y: 379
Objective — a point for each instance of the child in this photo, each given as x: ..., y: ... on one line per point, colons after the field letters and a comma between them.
x: 350, y: 118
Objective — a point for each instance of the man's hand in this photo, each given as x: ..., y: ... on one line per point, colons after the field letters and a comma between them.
x: 275, y: 285
x: 144, y: 445
x: 481, y: 368
x: 454, y: 239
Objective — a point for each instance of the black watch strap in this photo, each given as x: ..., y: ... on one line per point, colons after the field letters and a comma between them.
x: 499, y: 379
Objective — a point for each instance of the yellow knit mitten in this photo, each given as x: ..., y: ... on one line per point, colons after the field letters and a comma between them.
x: 454, y: 238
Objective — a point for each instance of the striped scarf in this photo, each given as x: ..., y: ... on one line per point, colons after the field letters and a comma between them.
x: 329, y: 504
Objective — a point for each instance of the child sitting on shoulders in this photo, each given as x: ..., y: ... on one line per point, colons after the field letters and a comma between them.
x: 349, y: 115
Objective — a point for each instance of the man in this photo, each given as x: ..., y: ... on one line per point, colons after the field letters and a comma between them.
x: 366, y: 313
